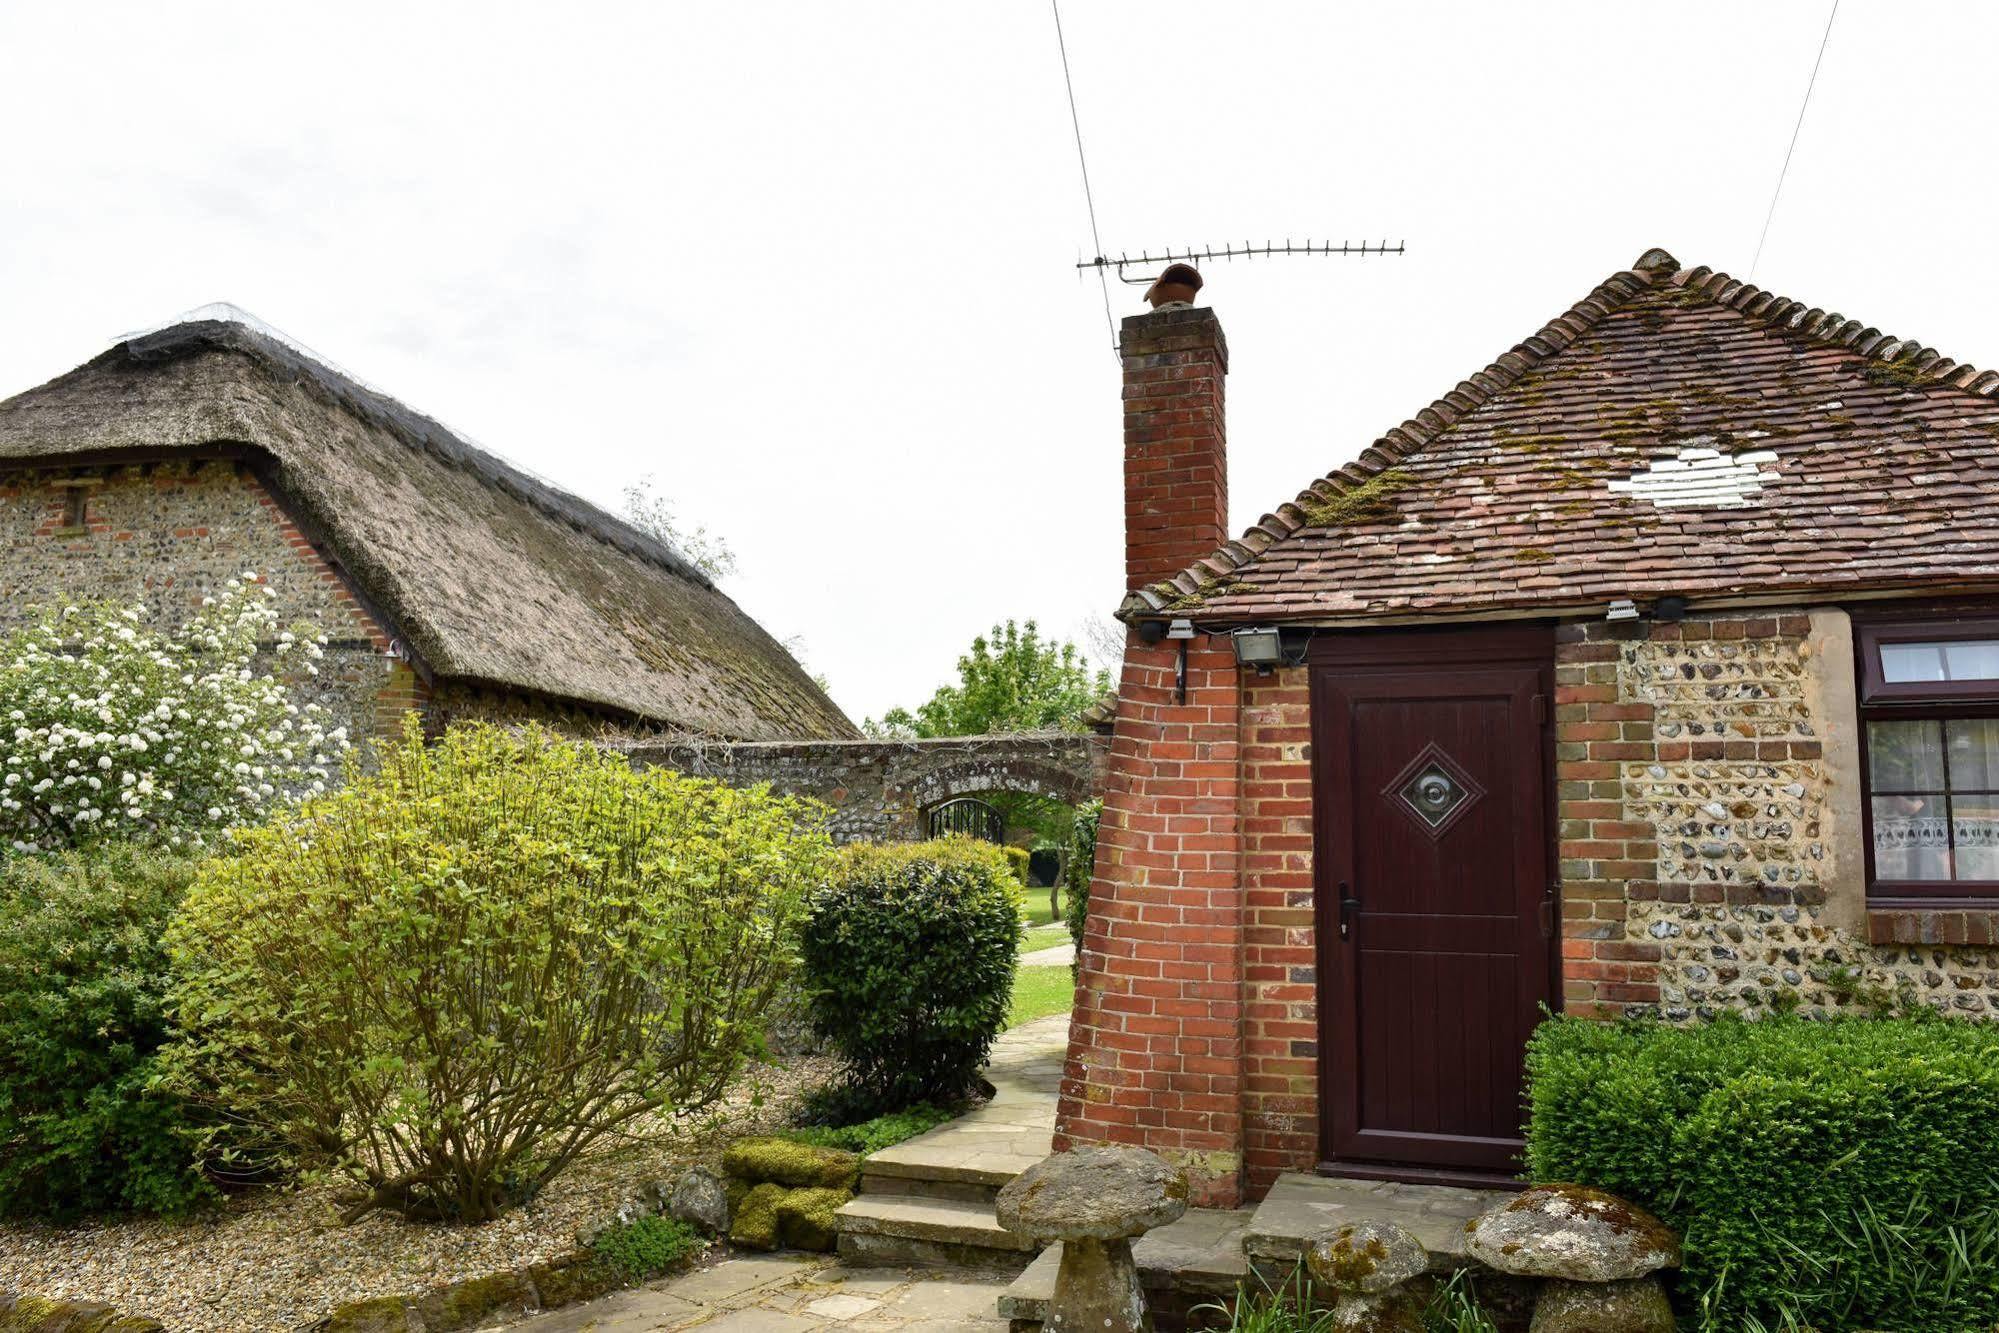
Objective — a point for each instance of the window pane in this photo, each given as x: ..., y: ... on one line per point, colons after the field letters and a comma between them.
x: 1974, y: 753
x: 1902, y: 663
x: 1973, y: 659
x: 1975, y: 829
x: 1911, y: 837
x: 1905, y: 756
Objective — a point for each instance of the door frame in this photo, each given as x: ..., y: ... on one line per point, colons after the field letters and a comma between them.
x: 1399, y: 651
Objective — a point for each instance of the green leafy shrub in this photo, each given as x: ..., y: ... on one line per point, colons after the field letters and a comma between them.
x: 910, y: 953
x: 646, y: 1247
x: 1842, y: 1174
x: 83, y: 993
x: 871, y: 1136
x: 447, y: 979
x: 1017, y: 862
x: 1082, y: 865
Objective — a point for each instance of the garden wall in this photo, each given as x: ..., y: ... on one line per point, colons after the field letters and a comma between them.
x: 878, y: 789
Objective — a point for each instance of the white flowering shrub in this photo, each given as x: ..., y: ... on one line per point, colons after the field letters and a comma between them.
x: 112, y: 731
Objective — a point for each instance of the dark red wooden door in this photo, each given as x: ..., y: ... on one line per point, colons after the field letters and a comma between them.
x: 1435, y: 902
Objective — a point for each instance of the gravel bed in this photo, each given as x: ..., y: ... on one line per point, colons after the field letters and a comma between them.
x: 275, y: 1258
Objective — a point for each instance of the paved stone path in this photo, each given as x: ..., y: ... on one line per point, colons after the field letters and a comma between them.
x: 1006, y: 1135
x: 1057, y: 955
x: 781, y: 1293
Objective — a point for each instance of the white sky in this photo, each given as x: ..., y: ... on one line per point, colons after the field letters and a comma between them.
x: 810, y: 264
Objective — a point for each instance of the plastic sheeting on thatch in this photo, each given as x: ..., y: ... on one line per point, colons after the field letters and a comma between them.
x: 492, y: 576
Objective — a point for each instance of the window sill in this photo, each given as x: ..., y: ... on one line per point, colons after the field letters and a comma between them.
x: 1974, y: 923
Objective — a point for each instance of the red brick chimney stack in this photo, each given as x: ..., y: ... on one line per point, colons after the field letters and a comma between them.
x: 1176, y: 488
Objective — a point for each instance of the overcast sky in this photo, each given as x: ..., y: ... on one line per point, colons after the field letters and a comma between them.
x: 810, y: 264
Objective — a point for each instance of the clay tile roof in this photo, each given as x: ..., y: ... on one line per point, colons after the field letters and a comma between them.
x: 493, y: 576
x: 1675, y: 432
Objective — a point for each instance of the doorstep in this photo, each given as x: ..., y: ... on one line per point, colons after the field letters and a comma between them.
x: 1299, y: 1207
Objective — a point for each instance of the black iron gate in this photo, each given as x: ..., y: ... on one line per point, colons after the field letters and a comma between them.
x: 968, y: 816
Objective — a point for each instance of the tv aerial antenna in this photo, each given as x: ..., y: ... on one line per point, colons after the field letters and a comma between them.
x: 1230, y: 251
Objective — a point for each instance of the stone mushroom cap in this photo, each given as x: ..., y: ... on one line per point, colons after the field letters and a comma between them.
x: 1093, y: 1194
x: 1366, y: 1258
x: 1573, y: 1232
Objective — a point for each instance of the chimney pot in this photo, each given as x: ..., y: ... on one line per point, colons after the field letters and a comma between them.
x: 1175, y: 287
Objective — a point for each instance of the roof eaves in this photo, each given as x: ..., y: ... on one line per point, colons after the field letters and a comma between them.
x: 1402, y: 442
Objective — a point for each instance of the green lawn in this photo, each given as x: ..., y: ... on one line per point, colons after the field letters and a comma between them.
x: 1039, y: 992
x: 1035, y: 910
x: 1044, y: 937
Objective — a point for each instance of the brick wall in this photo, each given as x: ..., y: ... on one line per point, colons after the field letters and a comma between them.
x: 170, y: 534
x: 1280, y: 973
x: 1156, y: 1047
x: 1176, y: 502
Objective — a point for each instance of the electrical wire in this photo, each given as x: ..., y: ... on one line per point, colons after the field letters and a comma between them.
x: 1089, y: 199
x: 1786, y: 168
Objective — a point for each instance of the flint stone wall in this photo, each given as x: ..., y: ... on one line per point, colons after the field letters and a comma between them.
x: 879, y: 790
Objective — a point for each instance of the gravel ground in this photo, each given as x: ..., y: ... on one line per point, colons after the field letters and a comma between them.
x: 277, y: 1259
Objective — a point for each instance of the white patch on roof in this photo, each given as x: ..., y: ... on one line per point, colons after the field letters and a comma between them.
x: 1701, y: 477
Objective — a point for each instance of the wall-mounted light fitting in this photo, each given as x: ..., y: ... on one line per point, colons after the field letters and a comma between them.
x: 1622, y: 609
x: 1259, y: 646
x: 1180, y: 629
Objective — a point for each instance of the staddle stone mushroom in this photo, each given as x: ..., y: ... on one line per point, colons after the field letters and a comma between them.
x: 1364, y: 1265
x: 1094, y: 1200
x: 1597, y: 1252
x: 1572, y: 1232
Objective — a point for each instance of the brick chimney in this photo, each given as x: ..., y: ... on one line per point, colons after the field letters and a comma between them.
x: 1176, y: 475
x: 1157, y: 1035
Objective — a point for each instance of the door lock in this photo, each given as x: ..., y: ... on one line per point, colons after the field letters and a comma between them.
x: 1349, y: 905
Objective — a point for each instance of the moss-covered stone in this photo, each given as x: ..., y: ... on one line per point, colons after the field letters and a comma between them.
x: 381, y: 1314
x: 754, y: 1224
x: 572, y: 1278
x: 796, y: 1164
x: 461, y: 1304
x: 39, y: 1314
x: 805, y: 1217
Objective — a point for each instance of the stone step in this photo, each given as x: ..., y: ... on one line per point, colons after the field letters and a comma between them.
x: 1184, y: 1264
x: 910, y: 1229
x: 965, y: 1191
x: 1299, y: 1207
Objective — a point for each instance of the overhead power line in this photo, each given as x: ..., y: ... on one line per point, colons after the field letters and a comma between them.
x: 1083, y: 161
x: 1785, y: 170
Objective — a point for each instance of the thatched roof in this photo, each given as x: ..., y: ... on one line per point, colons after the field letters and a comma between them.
x: 492, y: 576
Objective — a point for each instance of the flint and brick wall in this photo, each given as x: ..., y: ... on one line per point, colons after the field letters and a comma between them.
x: 170, y: 534
x: 1711, y: 831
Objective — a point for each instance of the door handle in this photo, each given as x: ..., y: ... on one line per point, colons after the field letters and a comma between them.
x: 1349, y: 905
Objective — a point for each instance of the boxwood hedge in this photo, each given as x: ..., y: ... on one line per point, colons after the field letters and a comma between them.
x: 1838, y: 1174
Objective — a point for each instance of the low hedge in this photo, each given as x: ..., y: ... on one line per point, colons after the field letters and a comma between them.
x: 1838, y: 1174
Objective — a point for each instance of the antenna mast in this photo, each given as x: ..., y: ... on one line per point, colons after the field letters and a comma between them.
x: 1249, y: 250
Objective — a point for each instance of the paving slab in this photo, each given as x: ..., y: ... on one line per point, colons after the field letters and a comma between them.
x: 999, y: 1140
x: 1298, y: 1207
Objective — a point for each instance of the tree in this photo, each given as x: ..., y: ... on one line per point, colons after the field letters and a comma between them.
x: 1011, y: 680
x: 651, y: 514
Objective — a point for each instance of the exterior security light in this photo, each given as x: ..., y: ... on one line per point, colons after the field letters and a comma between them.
x: 1259, y: 646
x: 1622, y: 609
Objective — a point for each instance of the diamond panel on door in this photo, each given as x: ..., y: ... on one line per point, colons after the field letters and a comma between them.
x: 1433, y: 790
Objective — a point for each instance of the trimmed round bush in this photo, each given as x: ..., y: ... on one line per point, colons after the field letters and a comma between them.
x: 83, y: 993
x: 451, y: 977
x: 909, y: 953
x: 1837, y: 1174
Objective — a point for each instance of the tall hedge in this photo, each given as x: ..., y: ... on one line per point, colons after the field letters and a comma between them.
x: 910, y: 952
x: 1082, y: 866
x: 1838, y: 1174
x: 83, y: 1001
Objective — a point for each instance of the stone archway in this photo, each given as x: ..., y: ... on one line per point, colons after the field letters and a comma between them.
x: 879, y: 789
